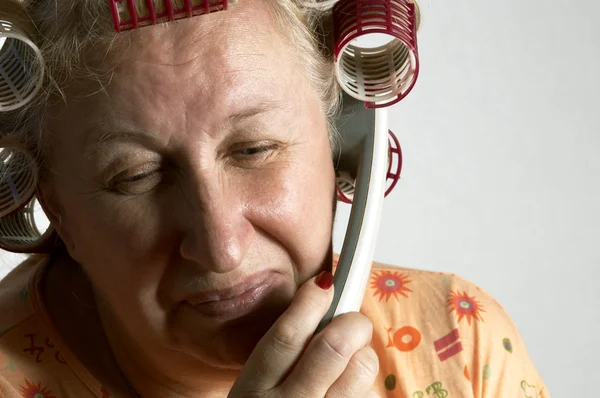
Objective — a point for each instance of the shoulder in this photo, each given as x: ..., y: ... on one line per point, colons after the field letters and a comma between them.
x: 34, y: 361
x: 460, y: 336
x: 24, y: 345
x: 428, y: 296
x: 15, y: 304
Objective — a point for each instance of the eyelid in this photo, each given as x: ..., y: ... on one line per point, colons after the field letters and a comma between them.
x: 137, y: 184
x: 260, y: 150
x: 252, y: 144
x: 131, y: 174
x: 142, y: 169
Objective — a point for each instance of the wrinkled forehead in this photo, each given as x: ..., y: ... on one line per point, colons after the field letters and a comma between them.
x: 211, y: 66
x: 177, y: 42
x: 225, y: 54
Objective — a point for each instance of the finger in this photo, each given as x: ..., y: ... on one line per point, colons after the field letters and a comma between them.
x: 280, y: 347
x: 327, y: 356
x: 358, y: 378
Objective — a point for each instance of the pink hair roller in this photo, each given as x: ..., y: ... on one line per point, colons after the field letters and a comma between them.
x: 345, y: 182
x: 382, y: 75
x: 127, y: 16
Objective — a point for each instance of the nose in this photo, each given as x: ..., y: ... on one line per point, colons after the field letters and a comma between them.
x: 217, y: 234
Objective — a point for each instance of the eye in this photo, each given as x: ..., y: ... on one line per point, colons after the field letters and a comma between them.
x: 136, y: 181
x: 253, y: 152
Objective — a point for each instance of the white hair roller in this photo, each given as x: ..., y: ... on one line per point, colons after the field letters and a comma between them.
x: 21, y: 67
x: 381, y: 75
x: 18, y: 180
x: 20, y: 233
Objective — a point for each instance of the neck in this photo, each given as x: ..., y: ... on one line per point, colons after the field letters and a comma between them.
x: 71, y: 306
x: 114, y: 360
x: 165, y: 374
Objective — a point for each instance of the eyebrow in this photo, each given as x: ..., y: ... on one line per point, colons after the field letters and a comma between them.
x: 110, y: 129
x: 249, y: 113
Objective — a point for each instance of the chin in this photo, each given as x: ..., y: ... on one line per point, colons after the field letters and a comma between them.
x: 230, y: 346
x: 234, y: 355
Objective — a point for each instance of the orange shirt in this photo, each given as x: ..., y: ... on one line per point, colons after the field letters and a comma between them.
x: 436, y: 335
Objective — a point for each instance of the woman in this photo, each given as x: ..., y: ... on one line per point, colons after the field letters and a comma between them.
x: 187, y: 168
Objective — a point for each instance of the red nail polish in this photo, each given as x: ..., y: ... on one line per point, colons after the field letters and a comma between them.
x: 324, y: 280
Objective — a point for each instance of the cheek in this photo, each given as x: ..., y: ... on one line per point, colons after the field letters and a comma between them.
x: 102, y: 226
x: 125, y: 225
x: 296, y: 210
x: 116, y: 239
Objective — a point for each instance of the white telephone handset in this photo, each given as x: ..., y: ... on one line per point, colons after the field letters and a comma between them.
x: 364, y: 154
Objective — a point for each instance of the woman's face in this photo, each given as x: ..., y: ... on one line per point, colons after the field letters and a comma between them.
x: 204, y: 164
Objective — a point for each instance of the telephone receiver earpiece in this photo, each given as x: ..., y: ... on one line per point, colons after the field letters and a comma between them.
x: 364, y: 154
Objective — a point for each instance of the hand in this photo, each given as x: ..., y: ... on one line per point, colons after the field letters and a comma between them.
x: 289, y: 362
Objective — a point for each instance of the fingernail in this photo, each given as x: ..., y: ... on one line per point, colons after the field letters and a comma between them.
x: 324, y: 280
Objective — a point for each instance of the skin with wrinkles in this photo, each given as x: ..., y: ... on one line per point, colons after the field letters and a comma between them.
x: 204, y: 161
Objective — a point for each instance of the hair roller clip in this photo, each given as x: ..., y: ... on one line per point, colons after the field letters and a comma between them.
x: 133, y: 14
x: 381, y: 75
x: 18, y: 179
x: 21, y: 66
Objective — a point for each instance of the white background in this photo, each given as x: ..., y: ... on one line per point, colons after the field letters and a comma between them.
x: 501, y: 176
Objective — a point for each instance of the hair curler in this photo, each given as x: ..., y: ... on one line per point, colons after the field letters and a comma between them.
x: 21, y: 62
x: 19, y: 231
x: 127, y: 16
x: 381, y: 75
x: 371, y: 159
x: 18, y: 180
x: 21, y: 77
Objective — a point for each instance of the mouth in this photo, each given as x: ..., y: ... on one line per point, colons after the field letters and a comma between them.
x: 238, y: 300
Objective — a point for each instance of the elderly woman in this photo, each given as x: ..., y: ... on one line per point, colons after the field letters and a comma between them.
x: 187, y: 169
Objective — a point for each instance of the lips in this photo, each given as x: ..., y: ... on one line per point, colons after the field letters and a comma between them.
x: 236, y: 301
